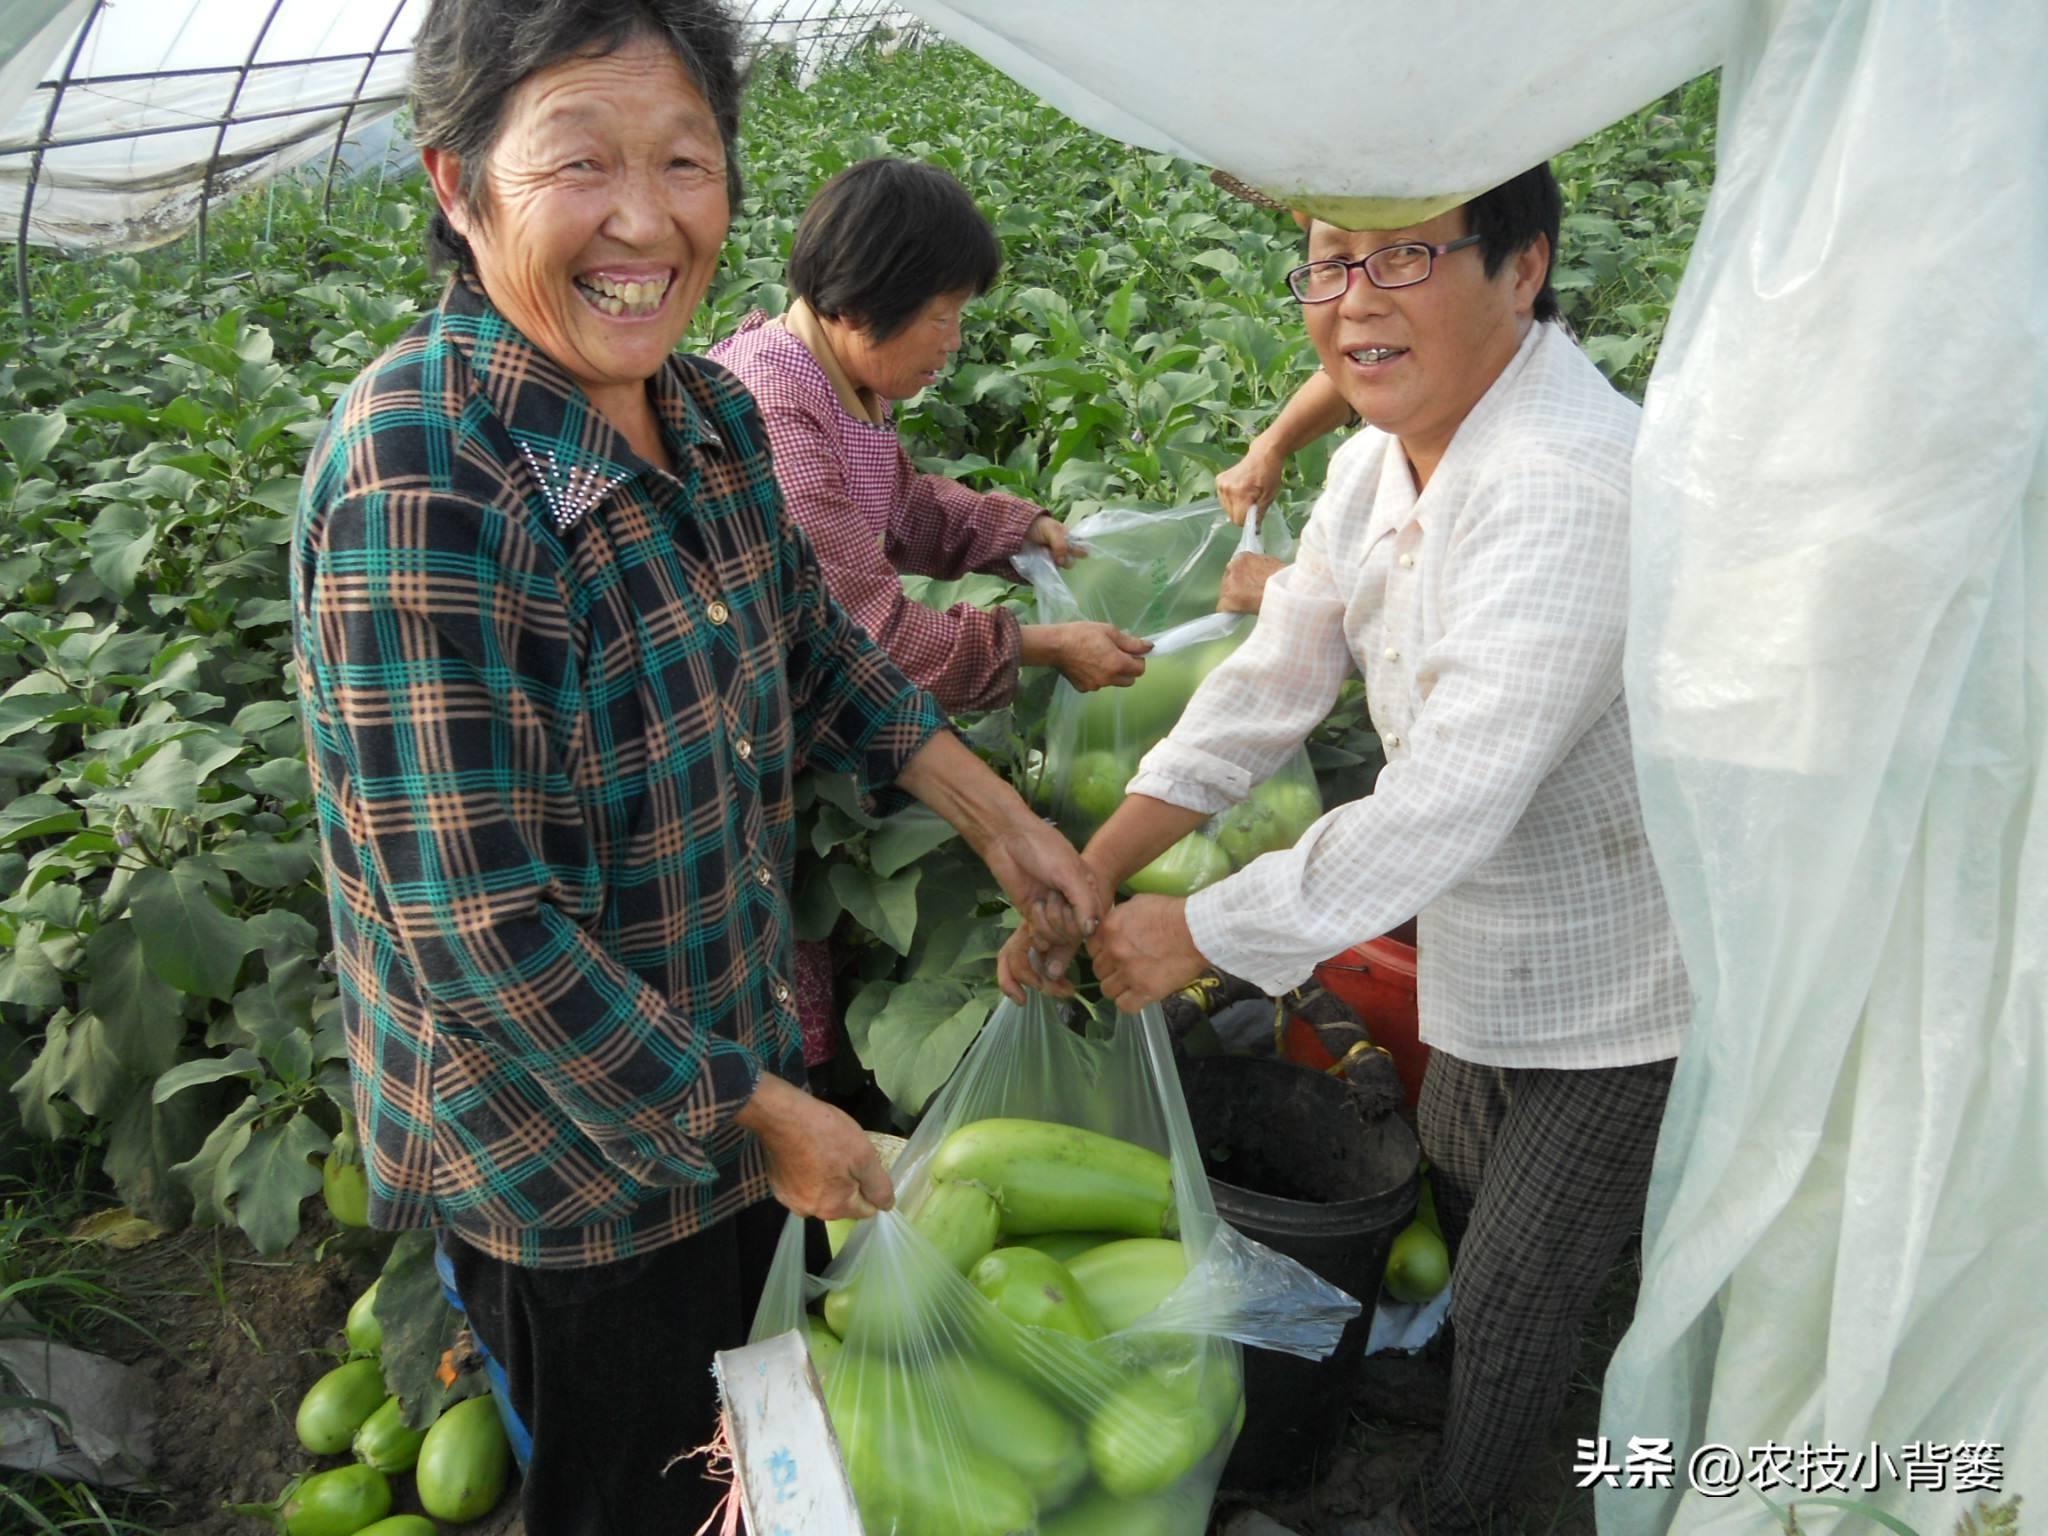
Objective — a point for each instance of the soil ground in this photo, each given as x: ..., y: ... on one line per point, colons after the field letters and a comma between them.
x: 236, y: 1339
x: 1393, y: 1430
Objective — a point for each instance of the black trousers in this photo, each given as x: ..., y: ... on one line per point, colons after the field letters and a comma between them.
x: 610, y: 1370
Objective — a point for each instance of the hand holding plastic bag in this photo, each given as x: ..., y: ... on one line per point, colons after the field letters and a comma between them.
x: 1159, y: 574
x: 1049, y: 1339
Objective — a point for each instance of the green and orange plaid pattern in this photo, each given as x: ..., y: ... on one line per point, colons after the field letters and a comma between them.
x: 555, y: 700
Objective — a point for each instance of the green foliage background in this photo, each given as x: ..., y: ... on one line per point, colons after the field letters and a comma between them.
x: 165, y: 996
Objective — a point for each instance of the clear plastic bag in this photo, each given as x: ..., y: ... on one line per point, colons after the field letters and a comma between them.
x: 980, y: 1383
x: 1158, y: 574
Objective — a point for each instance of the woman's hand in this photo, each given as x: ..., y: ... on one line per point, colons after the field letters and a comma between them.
x: 1027, y: 963
x: 1060, y: 896
x: 1244, y: 583
x: 820, y: 1163
x: 1251, y: 483
x: 1091, y: 655
x: 1143, y: 951
x: 1052, y: 533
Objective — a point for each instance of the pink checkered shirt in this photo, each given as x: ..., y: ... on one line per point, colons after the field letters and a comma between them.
x: 871, y: 515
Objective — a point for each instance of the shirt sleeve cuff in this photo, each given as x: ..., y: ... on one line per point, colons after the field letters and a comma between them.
x: 1209, y: 925
x: 880, y: 756
x: 1191, y: 778
x: 1013, y: 520
x: 685, y: 1151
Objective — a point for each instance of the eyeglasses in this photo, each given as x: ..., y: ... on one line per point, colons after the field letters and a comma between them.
x: 1391, y: 266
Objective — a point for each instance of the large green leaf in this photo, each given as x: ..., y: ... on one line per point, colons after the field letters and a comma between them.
x: 204, y: 1172
x: 268, y: 1178
x: 31, y: 702
x: 36, y: 816
x: 839, y: 791
x: 886, y: 908
x: 255, y: 719
x: 267, y: 862
x: 97, y: 1076
x: 122, y: 539
x: 240, y: 1062
x: 816, y: 906
x: 284, y: 779
x: 419, y: 1328
x: 912, y: 1036
x: 26, y: 976
x: 169, y: 781
x: 31, y: 439
x: 906, y: 837
x: 187, y: 938
x: 141, y: 1012
x: 281, y: 934
x: 36, y: 1090
x: 956, y: 944
x: 144, y: 1142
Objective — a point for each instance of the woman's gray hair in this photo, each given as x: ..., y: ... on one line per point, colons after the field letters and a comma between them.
x: 469, y: 56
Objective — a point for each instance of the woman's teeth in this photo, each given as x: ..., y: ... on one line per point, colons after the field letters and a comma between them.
x: 615, y: 298
x: 1369, y: 355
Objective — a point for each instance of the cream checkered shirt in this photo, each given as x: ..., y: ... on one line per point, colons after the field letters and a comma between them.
x: 1487, y: 617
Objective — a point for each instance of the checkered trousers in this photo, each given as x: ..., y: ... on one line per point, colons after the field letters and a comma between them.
x: 1540, y: 1176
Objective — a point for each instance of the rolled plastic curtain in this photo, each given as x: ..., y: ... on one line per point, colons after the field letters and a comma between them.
x: 1838, y: 678
x: 1838, y: 665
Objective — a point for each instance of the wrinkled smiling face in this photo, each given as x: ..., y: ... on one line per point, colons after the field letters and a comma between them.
x: 1413, y: 361
x: 602, y: 213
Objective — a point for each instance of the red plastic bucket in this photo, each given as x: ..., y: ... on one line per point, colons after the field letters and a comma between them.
x: 1377, y: 979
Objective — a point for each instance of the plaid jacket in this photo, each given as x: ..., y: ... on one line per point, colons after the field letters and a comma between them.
x: 554, y: 702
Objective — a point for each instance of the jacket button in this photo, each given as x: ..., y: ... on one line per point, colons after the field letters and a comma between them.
x: 717, y: 612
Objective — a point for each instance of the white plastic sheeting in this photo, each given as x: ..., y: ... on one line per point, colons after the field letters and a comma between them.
x: 1432, y: 103
x: 140, y: 119
x: 1838, y: 671
x: 117, y: 128
x: 1839, y: 685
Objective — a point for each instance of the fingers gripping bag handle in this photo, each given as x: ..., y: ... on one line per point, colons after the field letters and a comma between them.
x: 1251, y: 539
x: 1044, y: 1335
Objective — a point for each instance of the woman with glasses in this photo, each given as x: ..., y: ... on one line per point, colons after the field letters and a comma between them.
x: 1469, y: 555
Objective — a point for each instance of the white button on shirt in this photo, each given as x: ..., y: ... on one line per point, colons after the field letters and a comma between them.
x: 1507, y: 815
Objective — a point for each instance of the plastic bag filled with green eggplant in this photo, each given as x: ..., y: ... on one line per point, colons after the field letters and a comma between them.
x: 1044, y: 1335
x: 1157, y: 574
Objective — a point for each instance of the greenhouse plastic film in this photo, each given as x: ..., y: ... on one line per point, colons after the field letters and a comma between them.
x: 1392, y: 111
x: 1838, y: 683
x: 1157, y: 574
x: 995, y: 1358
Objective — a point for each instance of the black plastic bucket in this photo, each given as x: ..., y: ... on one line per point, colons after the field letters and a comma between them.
x: 1291, y: 1164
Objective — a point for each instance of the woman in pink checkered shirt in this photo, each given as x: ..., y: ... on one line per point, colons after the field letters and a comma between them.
x: 885, y: 258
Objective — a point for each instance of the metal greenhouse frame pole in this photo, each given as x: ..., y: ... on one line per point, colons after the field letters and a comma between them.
x: 341, y: 134
x: 35, y: 165
x: 226, y: 121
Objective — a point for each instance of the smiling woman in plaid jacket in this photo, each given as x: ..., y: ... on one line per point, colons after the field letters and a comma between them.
x: 561, y: 657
